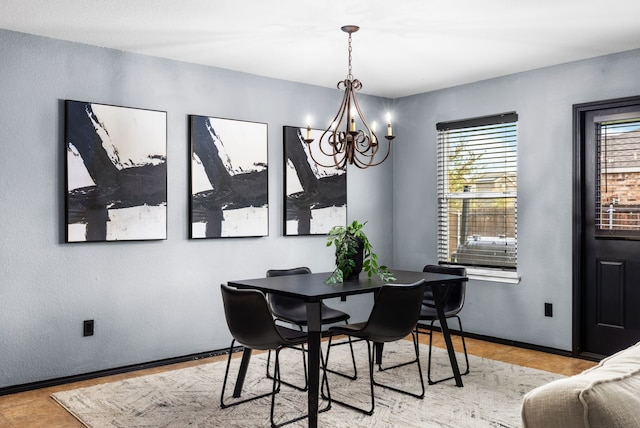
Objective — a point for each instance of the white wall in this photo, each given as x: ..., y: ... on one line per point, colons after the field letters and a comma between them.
x: 155, y: 299
x: 543, y: 100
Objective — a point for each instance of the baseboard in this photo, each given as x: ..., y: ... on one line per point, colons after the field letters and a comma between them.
x: 109, y: 372
x: 523, y: 345
x: 515, y: 343
x: 126, y: 369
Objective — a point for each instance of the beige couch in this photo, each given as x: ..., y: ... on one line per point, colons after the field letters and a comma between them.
x: 605, y: 396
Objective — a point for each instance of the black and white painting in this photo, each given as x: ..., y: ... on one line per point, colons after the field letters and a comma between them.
x: 315, y: 196
x: 116, y: 173
x: 229, y: 186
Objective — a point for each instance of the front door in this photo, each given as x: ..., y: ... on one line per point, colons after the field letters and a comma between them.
x: 608, y: 227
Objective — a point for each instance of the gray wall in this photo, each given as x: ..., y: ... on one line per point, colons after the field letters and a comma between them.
x: 543, y: 100
x: 156, y: 299
x: 160, y: 299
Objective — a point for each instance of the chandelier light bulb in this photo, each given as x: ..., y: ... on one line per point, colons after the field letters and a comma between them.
x: 374, y: 128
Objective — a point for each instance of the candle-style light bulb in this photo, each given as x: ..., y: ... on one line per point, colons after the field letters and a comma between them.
x: 389, y: 129
x: 308, y: 127
x: 353, y: 124
x: 374, y: 127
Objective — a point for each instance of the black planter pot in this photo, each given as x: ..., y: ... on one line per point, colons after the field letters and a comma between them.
x: 358, y: 258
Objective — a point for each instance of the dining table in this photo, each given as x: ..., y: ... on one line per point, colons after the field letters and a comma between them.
x: 312, y: 289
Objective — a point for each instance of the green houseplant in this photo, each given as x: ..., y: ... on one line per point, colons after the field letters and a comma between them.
x: 354, y: 253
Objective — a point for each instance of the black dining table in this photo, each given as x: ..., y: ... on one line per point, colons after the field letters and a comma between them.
x: 312, y: 289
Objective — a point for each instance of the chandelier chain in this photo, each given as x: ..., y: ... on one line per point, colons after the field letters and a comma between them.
x: 350, y: 75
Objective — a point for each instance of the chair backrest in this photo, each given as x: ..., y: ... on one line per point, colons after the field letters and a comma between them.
x: 454, y: 300
x: 395, y: 312
x: 249, y: 318
x: 280, y: 305
x: 292, y: 271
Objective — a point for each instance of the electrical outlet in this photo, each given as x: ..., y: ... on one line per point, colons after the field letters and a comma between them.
x: 548, y: 309
x: 87, y: 328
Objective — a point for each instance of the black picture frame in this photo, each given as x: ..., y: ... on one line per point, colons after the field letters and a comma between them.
x: 115, y: 172
x: 228, y: 178
x: 315, y: 197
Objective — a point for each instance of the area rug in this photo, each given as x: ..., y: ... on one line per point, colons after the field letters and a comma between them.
x: 190, y: 397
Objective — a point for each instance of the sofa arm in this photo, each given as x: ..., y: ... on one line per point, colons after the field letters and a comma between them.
x: 607, y: 395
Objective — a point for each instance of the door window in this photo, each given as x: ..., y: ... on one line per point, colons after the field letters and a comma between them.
x: 618, y: 176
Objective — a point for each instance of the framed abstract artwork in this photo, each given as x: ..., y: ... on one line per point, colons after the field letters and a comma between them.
x: 116, y: 173
x: 229, y: 183
x: 315, y: 197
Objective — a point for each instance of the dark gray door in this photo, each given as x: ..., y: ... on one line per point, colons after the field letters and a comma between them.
x: 609, y: 263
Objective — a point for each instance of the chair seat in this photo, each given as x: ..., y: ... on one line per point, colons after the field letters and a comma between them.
x: 298, y: 315
x: 428, y: 310
x: 427, y: 297
x: 350, y: 329
x: 428, y: 313
x: 381, y: 334
x: 292, y: 336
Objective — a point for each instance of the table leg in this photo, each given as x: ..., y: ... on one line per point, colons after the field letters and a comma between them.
x: 314, y: 331
x: 438, y: 298
x: 246, y: 356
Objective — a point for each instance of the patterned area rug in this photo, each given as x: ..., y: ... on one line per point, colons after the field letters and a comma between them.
x: 491, y: 396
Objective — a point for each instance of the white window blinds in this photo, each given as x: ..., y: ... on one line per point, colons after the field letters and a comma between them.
x: 477, y: 191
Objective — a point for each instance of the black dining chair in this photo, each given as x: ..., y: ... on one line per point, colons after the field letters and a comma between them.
x: 252, y: 325
x: 394, y: 315
x: 453, y: 303
x: 294, y: 311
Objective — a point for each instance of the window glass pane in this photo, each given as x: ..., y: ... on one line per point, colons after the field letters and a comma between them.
x: 618, y: 199
x: 481, y: 158
x: 481, y: 232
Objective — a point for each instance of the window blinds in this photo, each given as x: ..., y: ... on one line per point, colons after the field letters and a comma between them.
x: 477, y: 191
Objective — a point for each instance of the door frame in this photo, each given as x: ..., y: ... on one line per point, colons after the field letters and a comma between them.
x: 579, y: 113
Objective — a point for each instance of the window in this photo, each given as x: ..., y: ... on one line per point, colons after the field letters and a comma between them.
x: 618, y: 174
x: 477, y: 192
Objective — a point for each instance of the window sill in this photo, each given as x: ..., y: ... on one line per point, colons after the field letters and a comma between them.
x: 493, y: 275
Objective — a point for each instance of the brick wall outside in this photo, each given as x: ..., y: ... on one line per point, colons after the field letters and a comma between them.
x: 625, y: 188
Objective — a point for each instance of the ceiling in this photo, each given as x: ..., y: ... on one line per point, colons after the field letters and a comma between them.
x: 403, y: 47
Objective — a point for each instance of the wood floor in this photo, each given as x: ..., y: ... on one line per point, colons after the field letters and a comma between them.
x: 35, y: 409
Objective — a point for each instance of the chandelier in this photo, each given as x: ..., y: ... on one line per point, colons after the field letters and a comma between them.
x: 341, y: 141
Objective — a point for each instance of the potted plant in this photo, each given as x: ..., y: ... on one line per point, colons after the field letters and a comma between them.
x: 354, y: 253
